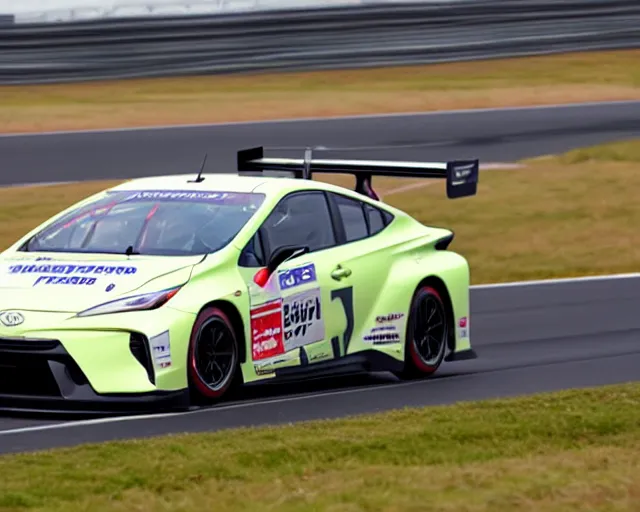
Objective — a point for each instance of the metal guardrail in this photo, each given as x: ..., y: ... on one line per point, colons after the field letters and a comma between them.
x: 40, y: 11
x: 373, y: 35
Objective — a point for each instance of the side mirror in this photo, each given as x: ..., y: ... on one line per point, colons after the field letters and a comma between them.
x: 280, y: 255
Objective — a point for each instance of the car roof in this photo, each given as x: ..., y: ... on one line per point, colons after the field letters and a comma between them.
x: 211, y: 183
x: 227, y: 182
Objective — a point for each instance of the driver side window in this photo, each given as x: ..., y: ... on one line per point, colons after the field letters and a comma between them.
x: 253, y: 254
x: 300, y: 219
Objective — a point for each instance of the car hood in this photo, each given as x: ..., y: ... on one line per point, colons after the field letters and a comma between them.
x: 73, y: 283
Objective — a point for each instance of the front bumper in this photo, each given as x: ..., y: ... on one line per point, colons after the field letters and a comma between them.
x: 40, y: 375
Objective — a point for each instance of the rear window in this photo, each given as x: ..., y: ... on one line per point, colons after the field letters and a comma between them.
x: 376, y: 219
x: 151, y: 222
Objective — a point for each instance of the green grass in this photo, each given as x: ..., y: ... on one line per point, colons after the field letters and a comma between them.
x: 545, y: 452
x: 624, y: 151
x: 574, y: 77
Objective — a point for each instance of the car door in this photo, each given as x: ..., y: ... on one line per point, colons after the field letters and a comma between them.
x: 366, y: 258
x: 298, y: 315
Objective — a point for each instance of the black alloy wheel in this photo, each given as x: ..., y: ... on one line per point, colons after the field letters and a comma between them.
x: 213, y: 355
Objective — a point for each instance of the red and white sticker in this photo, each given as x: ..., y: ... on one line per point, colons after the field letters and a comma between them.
x: 463, y: 327
x: 266, y: 330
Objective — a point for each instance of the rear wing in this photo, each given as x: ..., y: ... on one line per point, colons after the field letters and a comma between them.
x: 461, y: 175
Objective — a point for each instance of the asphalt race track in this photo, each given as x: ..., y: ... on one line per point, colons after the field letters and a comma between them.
x: 530, y: 337
x: 491, y: 135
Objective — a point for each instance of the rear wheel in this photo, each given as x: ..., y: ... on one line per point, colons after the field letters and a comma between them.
x: 213, y: 356
x: 427, y: 334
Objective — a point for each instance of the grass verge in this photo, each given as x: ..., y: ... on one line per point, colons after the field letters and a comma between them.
x: 543, y: 80
x: 574, y: 214
x: 573, y: 451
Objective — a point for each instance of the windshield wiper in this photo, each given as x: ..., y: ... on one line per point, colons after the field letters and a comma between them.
x: 130, y: 251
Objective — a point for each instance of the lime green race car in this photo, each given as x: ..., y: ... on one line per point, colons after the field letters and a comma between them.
x: 171, y: 291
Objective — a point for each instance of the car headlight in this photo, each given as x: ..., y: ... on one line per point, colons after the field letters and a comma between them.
x: 145, y: 301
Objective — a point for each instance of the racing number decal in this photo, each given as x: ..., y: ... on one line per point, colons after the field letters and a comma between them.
x: 346, y: 298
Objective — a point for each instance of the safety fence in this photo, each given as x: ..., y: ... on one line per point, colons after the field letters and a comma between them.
x: 55, y: 11
x: 341, y: 37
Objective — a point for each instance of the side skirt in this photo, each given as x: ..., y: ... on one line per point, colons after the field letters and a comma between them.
x: 362, y: 362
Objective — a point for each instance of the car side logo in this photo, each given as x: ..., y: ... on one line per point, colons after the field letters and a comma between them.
x: 11, y: 318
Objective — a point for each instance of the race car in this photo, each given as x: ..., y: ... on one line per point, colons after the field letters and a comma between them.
x: 170, y: 292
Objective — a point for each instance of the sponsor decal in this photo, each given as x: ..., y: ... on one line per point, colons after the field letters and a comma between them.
x: 267, y: 330
x: 263, y: 371
x: 297, y: 276
x: 161, y: 350
x: 266, y: 367
x: 387, y: 328
x: 281, y: 325
x: 319, y: 356
x: 188, y: 195
x: 69, y: 274
x: 75, y: 280
x: 463, y: 171
x: 391, y: 317
x: 463, y: 327
x: 383, y: 338
x: 11, y: 318
x: 302, y: 319
x: 67, y: 269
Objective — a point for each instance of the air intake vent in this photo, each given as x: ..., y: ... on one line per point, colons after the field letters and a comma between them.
x: 26, y: 375
x: 31, y: 345
x: 443, y: 243
x: 139, y: 347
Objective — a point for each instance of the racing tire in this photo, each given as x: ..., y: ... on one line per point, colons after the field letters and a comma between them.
x: 213, y: 359
x: 427, y: 334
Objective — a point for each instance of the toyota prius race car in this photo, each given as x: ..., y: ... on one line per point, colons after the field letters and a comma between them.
x: 171, y: 291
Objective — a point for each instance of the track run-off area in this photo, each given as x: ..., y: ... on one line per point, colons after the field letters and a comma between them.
x: 530, y: 337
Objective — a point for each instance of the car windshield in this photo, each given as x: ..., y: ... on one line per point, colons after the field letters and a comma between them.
x: 150, y: 222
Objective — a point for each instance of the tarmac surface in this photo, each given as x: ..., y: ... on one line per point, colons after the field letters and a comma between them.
x: 530, y: 338
x: 496, y: 135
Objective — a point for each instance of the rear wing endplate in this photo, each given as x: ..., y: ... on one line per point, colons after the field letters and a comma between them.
x: 461, y: 175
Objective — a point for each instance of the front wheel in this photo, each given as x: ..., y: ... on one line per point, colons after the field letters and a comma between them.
x: 213, y: 356
x: 427, y: 334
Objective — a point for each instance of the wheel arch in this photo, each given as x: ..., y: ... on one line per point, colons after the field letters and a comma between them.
x: 230, y: 309
x: 440, y: 286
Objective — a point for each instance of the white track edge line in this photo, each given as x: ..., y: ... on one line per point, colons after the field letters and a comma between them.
x: 321, y: 119
x: 559, y: 280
